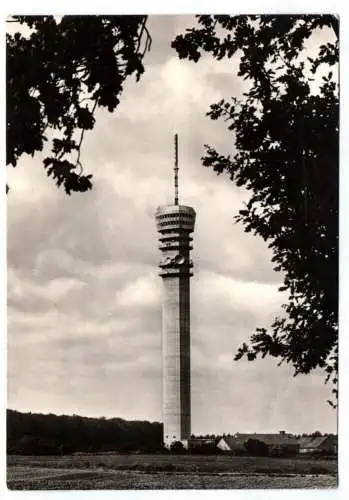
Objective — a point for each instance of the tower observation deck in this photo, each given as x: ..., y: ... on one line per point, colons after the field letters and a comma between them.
x: 175, y: 223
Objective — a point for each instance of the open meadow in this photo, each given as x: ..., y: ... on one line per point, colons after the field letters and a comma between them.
x: 136, y: 471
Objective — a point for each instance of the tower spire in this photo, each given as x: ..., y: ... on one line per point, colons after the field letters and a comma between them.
x: 176, y: 169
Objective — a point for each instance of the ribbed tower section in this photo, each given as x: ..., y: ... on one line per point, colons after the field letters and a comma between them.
x: 175, y: 223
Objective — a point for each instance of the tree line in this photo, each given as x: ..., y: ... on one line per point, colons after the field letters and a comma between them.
x: 38, y: 434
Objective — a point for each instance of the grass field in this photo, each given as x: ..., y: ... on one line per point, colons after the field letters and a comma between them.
x: 112, y: 471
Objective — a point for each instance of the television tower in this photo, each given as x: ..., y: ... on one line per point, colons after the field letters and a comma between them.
x: 175, y: 223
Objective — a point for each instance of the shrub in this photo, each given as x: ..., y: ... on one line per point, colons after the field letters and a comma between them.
x: 257, y: 448
x: 177, y: 447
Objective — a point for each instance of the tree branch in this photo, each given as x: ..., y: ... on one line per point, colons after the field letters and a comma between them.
x: 81, y: 139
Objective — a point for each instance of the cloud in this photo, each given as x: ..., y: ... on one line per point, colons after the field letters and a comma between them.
x: 84, y: 300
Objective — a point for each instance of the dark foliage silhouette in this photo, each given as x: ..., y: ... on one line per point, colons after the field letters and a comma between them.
x: 38, y: 434
x: 285, y: 135
x: 58, y: 75
x: 256, y: 448
x: 177, y: 447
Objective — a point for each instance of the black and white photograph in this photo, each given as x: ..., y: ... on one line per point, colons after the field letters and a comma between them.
x: 172, y: 289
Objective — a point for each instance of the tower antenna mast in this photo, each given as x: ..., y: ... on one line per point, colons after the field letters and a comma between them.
x: 176, y: 169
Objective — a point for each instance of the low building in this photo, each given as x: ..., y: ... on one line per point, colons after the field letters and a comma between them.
x: 318, y: 445
x: 278, y: 444
x: 202, y: 444
x: 231, y: 444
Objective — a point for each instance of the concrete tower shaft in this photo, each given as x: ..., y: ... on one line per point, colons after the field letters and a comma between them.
x: 175, y: 223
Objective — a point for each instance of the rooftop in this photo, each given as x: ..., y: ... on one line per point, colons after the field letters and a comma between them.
x: 174, y: 209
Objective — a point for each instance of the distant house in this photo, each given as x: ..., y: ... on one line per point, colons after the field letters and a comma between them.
x: 278, y: 444
x: 201, y: 444
x: 231, y: 443
x: 321, y: 444
x: 202, y: 441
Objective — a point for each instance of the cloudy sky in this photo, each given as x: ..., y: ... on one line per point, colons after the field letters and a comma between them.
x: 84, y: 298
